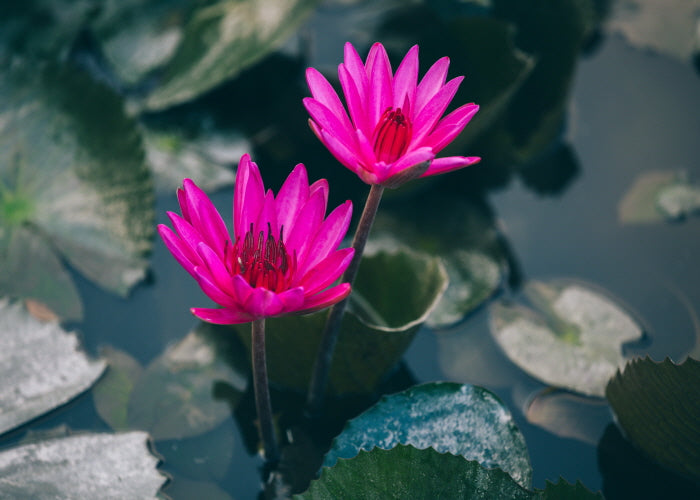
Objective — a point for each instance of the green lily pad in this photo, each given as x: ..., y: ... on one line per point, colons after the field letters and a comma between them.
x: 562, y: 490
x: 174, y: 397
x: 393, y: 295
x: 408, y: 472
x: 658, y: 407
x: 40, y: 366
x: 207, y: 155
x: 106, y: 466
x: 659, y: 195
x: 574, y: 342
x: 73, y: 178
x: 463, y: 236
x: 451, y: 418
x: 221, y: 39
x: 665, y: 26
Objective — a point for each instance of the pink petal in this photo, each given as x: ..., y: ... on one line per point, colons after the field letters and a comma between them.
x: 381, y: 91
x: 205, y: 218
x: 320, y: 185
x: 262, y: 303
x: 267, y: 220
x: 328, y: 236
x: 407, y: 161
x: 210, y: 288
x: 329, y: 123
x: 356, y: 104
x: 248, y: 196
x: 430, y: 114
x: 433, y: 80
x: 189, y: 235
x: 310, y: 217
x: 242, y: 288
x: 449, y: 163
x: 345, y: 155
x: 327, y: 271
x: 326, y: 298
x: 292, y: 299
x: 182, y: 200
x: 181, y: 251
x: 406, y: 78
x: 365, y: 150
x: 324, y: 93
x: 217, y: 269
x: 356, y: 70
x: 291, y: 196
x: 222, y: 316
x: 449, y: 127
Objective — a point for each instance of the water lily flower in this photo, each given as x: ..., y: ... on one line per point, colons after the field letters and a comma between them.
x: 283, y: 257
x: 395, y: 125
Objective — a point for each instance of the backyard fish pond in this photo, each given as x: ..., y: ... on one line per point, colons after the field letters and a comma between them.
x: 525, y: 327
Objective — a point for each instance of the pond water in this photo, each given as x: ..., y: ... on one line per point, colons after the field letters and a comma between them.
x: 555, y: 202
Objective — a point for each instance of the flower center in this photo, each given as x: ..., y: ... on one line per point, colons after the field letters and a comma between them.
x: 391, y: 135
x: 262, y: 260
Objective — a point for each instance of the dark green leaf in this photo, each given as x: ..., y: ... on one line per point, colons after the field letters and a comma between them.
x: 658, y: 407
x: 407, y: 472
x: 113, y: 391
x: 41, y: 367
x: 393, y: 295
x: 562, y: 490
x: 452, y: 418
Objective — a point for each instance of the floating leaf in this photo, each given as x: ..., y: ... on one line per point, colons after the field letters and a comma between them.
x: 220, y: 40
x: 562, y: 490
x: 408, y: 472
x: 666, y: 26
x: 392, y: 296
x: 40, y: 366
x: 175, y: 397
x: 658, y: 407
x: 183, y: 489
x: 206, y: 155
x: 569, y: 415
x: 576, y: 340
x: 658, y: 195
x: 451, y: 418
x: 463, y: 236
x: 105, y: 466
x: 73, y: 178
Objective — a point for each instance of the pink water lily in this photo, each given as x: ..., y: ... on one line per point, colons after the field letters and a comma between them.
x: 283, y: 257
x: 395, y: 125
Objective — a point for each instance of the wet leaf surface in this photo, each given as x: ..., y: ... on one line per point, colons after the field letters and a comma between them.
x: 40, y: 365
x: 107, y: 466
x: 408, y: 472
x: 563, y: 490
x: 659, y: 195
x: 451, y: 418
x: 574, y: 341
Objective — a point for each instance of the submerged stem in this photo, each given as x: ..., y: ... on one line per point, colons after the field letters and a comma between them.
x: 262, y: 391
x: 319, y: 377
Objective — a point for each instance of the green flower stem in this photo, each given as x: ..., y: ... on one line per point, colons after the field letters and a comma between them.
x: 262, y: 391
x: 319, y: 378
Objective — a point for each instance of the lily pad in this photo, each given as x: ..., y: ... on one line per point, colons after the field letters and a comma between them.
x: 658, y: 407
x: 409, y: 472
x: 665, y: 26
x: 220, y: 40
x: 72, y: 178
x: 569, y: 415
x: 393, y: 294
x: 175, y: 396
x: 659, y: 195
x: 451, y: 418
x: 206, y: 154
x: 106, y: 466
x: 40, y: 366
x: 463, y: 235
x: 574, y: 342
